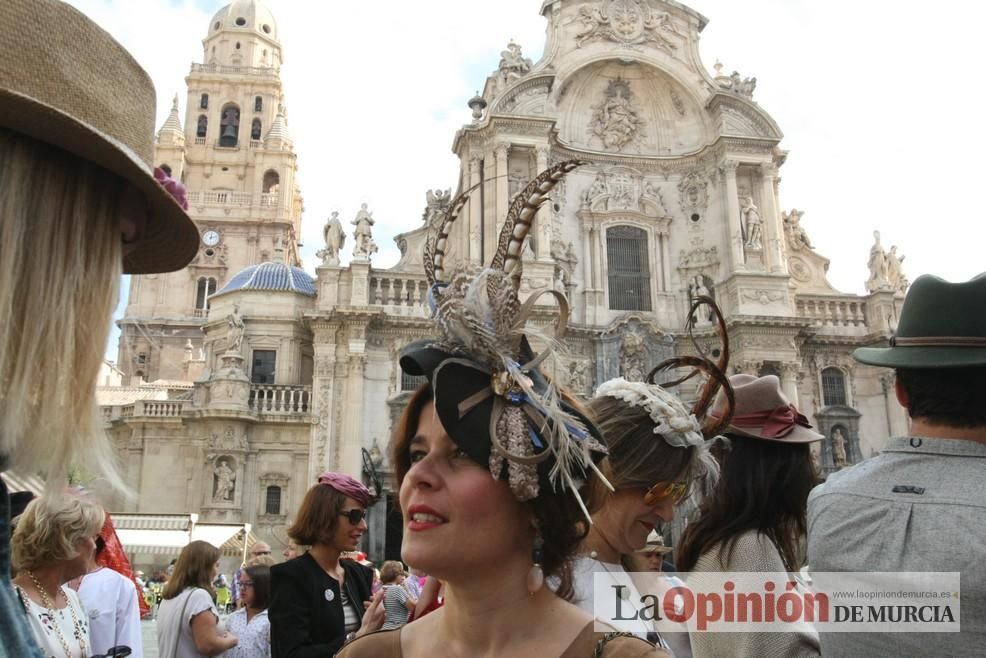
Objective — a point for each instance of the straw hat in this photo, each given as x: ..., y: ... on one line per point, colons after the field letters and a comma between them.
x: 941, y: 326
x: 66, y: 82
x: 655, y: 544
x: 764, y: 412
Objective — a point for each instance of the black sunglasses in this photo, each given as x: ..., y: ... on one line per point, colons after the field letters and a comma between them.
x: 354, y: 515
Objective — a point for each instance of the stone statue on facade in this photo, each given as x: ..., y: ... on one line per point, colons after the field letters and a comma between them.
x: 752, y: 224
x: 880, y: 264
x: 697, y: 288
x: 633, y: 354
x: 565, y: 262
x: 236, y: 331
x: 839, y: 448
x: 335, y: 238
x: 895, y: 272
x: 512, y: 61
x: 224, y: 481
x: 577, y: 376
x: 436, y: 204
x: 615, y: 122
x: 797, y: 237
x: 363, y: 234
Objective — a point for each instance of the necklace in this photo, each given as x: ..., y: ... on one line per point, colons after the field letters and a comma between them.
x: 46, y: 601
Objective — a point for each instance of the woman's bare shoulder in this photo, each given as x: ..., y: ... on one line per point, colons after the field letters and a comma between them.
x: 382, y: 644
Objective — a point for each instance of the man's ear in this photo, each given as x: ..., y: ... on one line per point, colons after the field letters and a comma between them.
x: 901, y: 394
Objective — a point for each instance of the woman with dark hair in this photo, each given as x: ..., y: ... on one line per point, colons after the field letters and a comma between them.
x: 187, y: 621
x: 320, y: 598
x: 250, y: 623
x: 490, y: 457
x: 754, y: 519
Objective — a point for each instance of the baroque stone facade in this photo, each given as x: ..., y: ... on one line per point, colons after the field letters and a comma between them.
x: 678, y: 197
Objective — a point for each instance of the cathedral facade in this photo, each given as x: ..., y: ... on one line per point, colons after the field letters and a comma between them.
x: 288, y: 374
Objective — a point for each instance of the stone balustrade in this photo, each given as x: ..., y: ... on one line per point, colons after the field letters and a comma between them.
x: 256, y: 71
x: 833, y: 310
x: 220, y: 198
x: 398, y: 290
x: 280, y: 400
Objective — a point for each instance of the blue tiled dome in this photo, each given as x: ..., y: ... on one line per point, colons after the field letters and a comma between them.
x: 271, y: 276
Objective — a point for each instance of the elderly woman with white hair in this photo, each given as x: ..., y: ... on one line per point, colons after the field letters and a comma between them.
x: 54, y: 542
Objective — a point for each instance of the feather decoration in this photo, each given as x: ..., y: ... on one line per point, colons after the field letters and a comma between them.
x: 434, y: 255
x: 521, y: 215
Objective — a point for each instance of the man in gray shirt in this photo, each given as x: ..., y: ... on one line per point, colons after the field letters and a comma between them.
x: 921, y: 504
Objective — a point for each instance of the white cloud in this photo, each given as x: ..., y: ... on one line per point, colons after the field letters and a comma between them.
x: 877, y: 101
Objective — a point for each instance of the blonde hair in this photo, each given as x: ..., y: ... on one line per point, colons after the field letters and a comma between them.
x: 50, y: 528
x: 261, y: 561
x: 390, y: 571
x: 60, y: 269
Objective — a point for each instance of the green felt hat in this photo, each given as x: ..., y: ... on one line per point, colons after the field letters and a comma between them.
x: 942, y: 325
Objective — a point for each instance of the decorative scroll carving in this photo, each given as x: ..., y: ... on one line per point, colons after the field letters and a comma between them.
x: 626, y: 22
x: 693, y: 193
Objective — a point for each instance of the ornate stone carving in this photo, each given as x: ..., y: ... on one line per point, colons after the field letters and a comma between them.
x: 565, y: 262
x: 752, y: 224
x: 693, y: 194
x: 334, y: 238
x: 436, y: 203
x: 615, y: 122
x: 224, y: 480
x: 701, y: 286
x: 797, y: 237
x: 736, y: 83
x: 698, y: 258
x: 632, y: 356
x: 886, y: 272
x: 578, y: 376
x: 799, y: 269
x: 513, y: 65
x: 763, y: 296
x: 654, y: 194
x: 626, y: 22
x: 363, y: 234
x: 676, y: 101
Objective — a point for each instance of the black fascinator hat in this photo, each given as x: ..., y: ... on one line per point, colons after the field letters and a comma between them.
x: 490, y: 394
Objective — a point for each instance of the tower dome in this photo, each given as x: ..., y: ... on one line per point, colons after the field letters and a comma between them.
x: 272, y: 277
x: 245, y: 16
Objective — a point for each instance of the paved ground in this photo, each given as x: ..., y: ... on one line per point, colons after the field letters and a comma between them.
x: 148, y: 630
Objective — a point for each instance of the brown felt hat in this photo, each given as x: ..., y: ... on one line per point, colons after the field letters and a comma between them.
x: 66, y: 82
x: 762, y: 411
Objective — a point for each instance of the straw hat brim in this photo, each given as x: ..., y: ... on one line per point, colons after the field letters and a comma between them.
x: 170, y: 239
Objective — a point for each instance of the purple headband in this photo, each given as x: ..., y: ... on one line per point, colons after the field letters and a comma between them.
x: 347, y: 485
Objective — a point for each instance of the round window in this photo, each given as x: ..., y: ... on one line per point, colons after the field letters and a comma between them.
x: 241, y: 21
x: 217, y: 25
x: 266, y: 28
x: 695, y: 217
x: 210, y: 252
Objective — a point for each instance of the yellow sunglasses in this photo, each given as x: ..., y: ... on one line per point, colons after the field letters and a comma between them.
x: 676, y: 491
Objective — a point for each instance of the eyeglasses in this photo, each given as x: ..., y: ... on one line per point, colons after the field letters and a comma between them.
x: 354, y: 515
x: 676, y: 491
x: 244, y: 584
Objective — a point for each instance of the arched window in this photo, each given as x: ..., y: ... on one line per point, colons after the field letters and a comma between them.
x: 629, y: 269
x: 833, y: 387
x: 258, y: 102
x: 204, y: 102
x: 229, y: 126
x: 206, y: 287
x: 255, y: 130
x: 273, y: 502
x: 203, y: 126
x: 272, y: 182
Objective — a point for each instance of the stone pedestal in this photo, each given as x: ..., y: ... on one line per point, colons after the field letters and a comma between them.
x: 229, y: 386
x: 360, y: 271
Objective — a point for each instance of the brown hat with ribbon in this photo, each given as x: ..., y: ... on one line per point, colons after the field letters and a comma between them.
x: 66, y: 82
x: 762, y: 411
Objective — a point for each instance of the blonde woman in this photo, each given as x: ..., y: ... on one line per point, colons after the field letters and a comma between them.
x: 54, y: 543
x: 188, y: 621
x: 79, y: 204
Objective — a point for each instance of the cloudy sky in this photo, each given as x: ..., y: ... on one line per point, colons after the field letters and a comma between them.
x: 876, y: 99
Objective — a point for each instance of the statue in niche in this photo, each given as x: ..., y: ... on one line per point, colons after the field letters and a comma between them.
x: 895, y: 272
x: 633, y: 354
x: 363, y: 234
x: 203, y: 126
x: 878, y: 266
x: 614, y: 121
x: 839, y: 448
x: 752, y: 224
x: 334, y: 237
x: 236, y: 331
x: 797, y: 237
x: 224, y: 481
x: 697, y: 288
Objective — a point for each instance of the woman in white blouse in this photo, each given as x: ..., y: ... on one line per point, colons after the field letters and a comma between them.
x: 54, y: 542
x: 250, y: 623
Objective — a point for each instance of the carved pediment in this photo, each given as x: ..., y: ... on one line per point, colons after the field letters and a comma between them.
x: 738, y: 118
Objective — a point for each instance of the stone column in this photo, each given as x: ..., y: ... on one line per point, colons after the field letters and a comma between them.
x: 771, y: 220
x: 664, y: 236
x: 502, y: 198
x: 588, y: 273
x: 474, y: 235
x: 789, y: 381
x: 324, y: 394
x: 542, y: 223
x: 734, y: 228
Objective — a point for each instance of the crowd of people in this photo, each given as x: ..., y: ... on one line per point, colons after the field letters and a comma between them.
x: 516, y: 494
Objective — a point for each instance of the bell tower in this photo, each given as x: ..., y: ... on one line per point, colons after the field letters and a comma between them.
x: 236, y: 157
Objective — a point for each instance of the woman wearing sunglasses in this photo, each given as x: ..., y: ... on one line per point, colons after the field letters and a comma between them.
x: 657, y: 448
x: 754, y: 520
x: 318, y: 599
